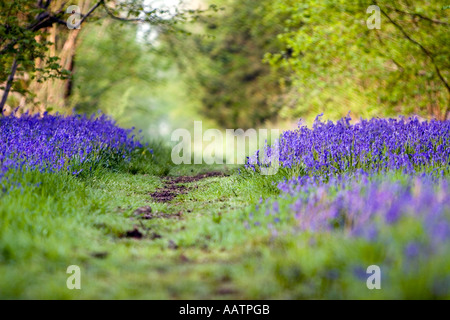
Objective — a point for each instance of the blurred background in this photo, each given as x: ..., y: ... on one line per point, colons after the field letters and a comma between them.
x: 250, y: 64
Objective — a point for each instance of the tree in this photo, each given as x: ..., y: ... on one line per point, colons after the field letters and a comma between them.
x: 223, y: 62
x: 114, y: 70
x: 26, y: 35
x: 338, y: 64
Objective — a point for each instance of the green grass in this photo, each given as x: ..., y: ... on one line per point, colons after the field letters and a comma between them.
x: 207, y: 254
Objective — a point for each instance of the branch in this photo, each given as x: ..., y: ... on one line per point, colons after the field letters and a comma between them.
x: 42, y: 20
x: 113, y: 16
x: 43, y: 5
x: 46, y: 20
x: 89, y: 12
x: 420, y: 16
x: 424, y: 50
x: 9, y: 83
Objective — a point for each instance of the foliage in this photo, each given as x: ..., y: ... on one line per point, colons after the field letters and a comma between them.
x: 338, y: 64
x: 322, y: 58
x: 24, y: 28
x: 223, y: 63
x: 113, y: 72
x: 20, y: 35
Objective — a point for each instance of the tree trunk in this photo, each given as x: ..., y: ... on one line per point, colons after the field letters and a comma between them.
x: 54, y: 93
x: 9, y: 83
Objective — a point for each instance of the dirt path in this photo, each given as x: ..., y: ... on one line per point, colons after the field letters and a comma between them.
x: 174, y: 186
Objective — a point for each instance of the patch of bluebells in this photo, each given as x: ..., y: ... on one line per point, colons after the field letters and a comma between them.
x: 385, y: 181
x: 367, y: 207
x: 361, y: 206
x: 347, y: 180
x: 52, y: 142
x: 372, y: 145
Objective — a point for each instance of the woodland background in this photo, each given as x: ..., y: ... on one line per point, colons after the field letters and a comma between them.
x: 238, y: 64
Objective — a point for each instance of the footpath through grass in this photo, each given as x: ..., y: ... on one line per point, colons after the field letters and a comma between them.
x: 196, y: 246
x: 140, y: 227
x: 191, y: 247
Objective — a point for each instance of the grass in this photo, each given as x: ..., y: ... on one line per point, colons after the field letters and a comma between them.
x: 57, y: 220
x: 206, y: 254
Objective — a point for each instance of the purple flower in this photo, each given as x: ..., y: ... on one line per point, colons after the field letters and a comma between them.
x: 412, y: 250
x: 440, y: 232
x: 55, y: 143
x: 275, y: 207
x: 394, y: 213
